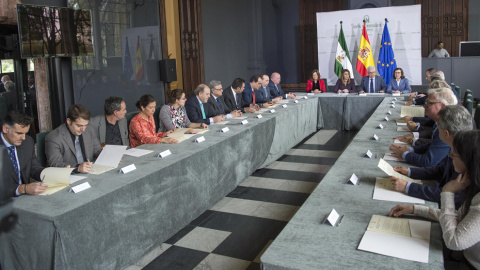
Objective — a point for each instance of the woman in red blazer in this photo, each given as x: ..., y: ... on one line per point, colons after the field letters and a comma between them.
x: 315, y: 84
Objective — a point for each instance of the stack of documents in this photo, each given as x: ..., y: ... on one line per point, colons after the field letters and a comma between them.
x: 180, y: 135
x: 413, y: 111
x: 108, y: 159
x: 407, y: 239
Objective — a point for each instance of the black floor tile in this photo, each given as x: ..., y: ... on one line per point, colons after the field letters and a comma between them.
x: 253, y: 266
x: 177, y: 258
x: 273, y: 196
x: 179, y: 235
x: 236, y: 192
x: 206, y: 215
x: 290, y: 175
x: 338, y: 142
x: 310, y: 160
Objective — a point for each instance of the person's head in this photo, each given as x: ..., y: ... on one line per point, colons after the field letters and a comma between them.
x: 436, y: 100
x: 398, y: 74
x: 428, y: 73
x: 437, y: 73
x: 146, y: 104
x: 216, y: 88
x: 439, y: 84
x: 465, y: 158
x: 202, y: 92
x: 255, y: 82
x: 265, y: 80
x: 276, y: 78
x: 440, y: 45
x: 15, y: 126
x: 371, y: 72
x: 115, y: 106
x: 238, y: 85
x: 78, y: 117
x: 451, y: 120
x: 315, y: 75
x: 5, y: 78
x: 9, y: 86
x: 177, y: 96
x: 346, y: 75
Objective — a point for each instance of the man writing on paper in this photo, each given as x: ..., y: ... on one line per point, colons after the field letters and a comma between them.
x: 20, y: 149
x: 430, y: 154
x: 252, y: 96
x: 218, y: 104
x: 74, y: 143
x: 232, y: 96
x: 372, y: 83
x: 198, y: 109
x: 276, y: 89
x: 451, y: 120
x: 111, y: 127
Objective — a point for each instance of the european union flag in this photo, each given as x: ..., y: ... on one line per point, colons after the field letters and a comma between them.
x: 127, y: 63
x: 386, y: 59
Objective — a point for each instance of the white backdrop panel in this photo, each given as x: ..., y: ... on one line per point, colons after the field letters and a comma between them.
x: 404, y: 26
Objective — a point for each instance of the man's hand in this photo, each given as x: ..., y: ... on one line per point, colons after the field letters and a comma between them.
x: 406, y: 118
x: 266, y: 105
x: 204, y: 126
x: 396, y: 92
x: 398, y: 184
x: 277, y: 99
x: 236, y: 113
x: 249, y: 109
x: 219, y: 118
x: 401, y: 210
x: 169, y: 140
x: 85, y: 167
x: 412, y: 94
x: 397, y: 150
x: 33, y: 188
x: 291, y: 95
x: 401, y: 169
x: 405, y: 138
x: 381, y: 91
x: 421, y: 95
x: 411, y: 125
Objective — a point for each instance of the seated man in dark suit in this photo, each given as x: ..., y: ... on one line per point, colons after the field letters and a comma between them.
x: 452, y: 119
x: 232, y: 96
x: 252, y: 95
x: 372, y: 83
x: 266, y: 90
x: 24, y: 163
x: 217, y: 104
x: 276, y: 89
x: 198, y: 109
x: 111, y: 127
x: 431, y: 154
x: 74, y: 143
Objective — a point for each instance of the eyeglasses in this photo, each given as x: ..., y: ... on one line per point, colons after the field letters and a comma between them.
x: 219, y: 89
x: 428, y: 103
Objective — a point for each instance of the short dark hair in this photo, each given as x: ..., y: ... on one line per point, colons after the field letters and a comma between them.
x: 144, y: 101
x: 401, y: 77
x: 431, y: 70
x: 78, y: 111
x: 112, y: 104
x: 237, y: 82
x: 16, y: 117
x: 174, y: 95
x: 440, y: 42
x: 254, y: 78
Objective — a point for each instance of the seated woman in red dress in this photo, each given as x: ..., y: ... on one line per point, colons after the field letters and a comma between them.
x: 315, y: 84
x: 142, y: 126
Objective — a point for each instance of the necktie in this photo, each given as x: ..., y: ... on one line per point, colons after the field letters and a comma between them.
x: 203, y: 111
x: 78, y: 151
x: 265, y: 90
x: 372, y: 89
x: 220, y: 105
x: 13, y: 158
x: 253, y: 93
x: 236, y: 100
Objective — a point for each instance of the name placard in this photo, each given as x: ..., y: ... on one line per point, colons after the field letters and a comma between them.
x: 353, y: 179
x: 244, y: 122
x: 396, y: 98
x: 393, y: 106
x: 310, y: 94
x: 396, y: 95
x: 375, y: 137
x: 200, y: 139
x: 368, y: 154
x: 165, y: 153
x: 380, y: 126
x: 128, y: 169
x: 272, y: 110
x: 225, y: 129
x: 284, y: 105
x: 389, y: 112
x: 305, y: 97
x: 363, y: 94
x: 81, y: 187
x: 296, y: 101
x: 393, y: 102
x: 386, y: 118
x: 333, y: 218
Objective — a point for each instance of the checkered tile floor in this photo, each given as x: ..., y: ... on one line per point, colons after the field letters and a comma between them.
x: 235, y: 232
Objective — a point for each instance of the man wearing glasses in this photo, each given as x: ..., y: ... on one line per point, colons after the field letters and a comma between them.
x: 372, y: 83
x: 217, y: 102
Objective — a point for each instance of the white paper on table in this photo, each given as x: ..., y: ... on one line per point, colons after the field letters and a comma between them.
x: 222, y: 123
x: 403, y: 129
x: 111, y: 155
x: 413, y: 111
x: 399, y: 142
x: 56, y: 179
x: 99, y: 169
x: 401, y: 123
x: 75, y: 178
x: 384, y: 192
x: 388, y: 169
x: 283, y: 101
x: 241, y: 117
x: 135, y: 152
x: 388, y: 156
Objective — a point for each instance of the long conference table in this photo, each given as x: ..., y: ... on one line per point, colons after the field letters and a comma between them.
x: 124, y: 216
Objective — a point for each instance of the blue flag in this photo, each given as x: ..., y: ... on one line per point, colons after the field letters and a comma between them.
x: 127, y: 63
x: 386, y: 59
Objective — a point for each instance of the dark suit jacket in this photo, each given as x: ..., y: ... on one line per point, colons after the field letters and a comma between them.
x: 247, y: 96
x: 430, y: 154
x: 265, y: 93
x: 379, y: 84
x: 99, y: 125
x: 276, y: 91
x: 442, y: 174
x: 194, y: 112
x: 230, y: 99
x: 30, y: 167
x: 11, y: 100
x: 60, y: 150
x: 215, y: 108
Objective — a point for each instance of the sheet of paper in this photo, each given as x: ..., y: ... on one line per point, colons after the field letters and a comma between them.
x: 388, y: 169
x: 384, y: 191
x: 389, y: 225
x: 111, y: 155
x: 135, y: 152
x: 180, y: 135
x: 420, y: 229
x: 388, y: 156
x: 403, y: 129
x: 240, y: 118
x: 413, y: 111
x: 399, y: 142
x: 222, y: 122
x: 55, y: 178
x: 99, y: 169
x: 401, y: 123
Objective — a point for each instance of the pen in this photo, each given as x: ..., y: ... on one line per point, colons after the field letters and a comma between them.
x: 92, y: 165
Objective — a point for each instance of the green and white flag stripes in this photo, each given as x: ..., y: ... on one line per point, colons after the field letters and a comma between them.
x: 342, y: 58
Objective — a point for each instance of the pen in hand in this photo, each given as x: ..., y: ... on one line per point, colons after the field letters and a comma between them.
x: 92, y: 170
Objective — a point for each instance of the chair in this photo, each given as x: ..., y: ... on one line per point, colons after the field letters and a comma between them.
x: 469, y: 105
x: 156, y: 116
x: 129, y: 117
x: 326, y: 85
x: 468, y: 91
x: 476, y: 117
x: 41, y: 148
x: 459, y: 91
x: 468, y: 96
x: 452, y: 84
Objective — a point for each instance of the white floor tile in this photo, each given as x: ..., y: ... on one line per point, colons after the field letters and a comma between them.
x: 240, y: 206
x: 298, y: 186
x: 322, y: 137
x: 261, y: 182
x: 215, y: 261
x: 203, y: 239
x: 221, y: 203
x: 275, y: 211
x: 288, y: 166
x: 314, y: 168
x: 314, y: 153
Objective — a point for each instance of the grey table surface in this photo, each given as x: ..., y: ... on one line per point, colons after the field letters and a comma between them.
x: 306, y: 243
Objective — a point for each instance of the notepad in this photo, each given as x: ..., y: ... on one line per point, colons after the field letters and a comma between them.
x: 384, y: 191
x: 407, y: 239
x: 413, y: 111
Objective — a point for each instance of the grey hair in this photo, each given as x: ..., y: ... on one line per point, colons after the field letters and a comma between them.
x: 439, y: 84
x: 455, y: 118
x: 438, y: 73
x: 444, y: 95
x: 200, y: 89
x: 213, y: 84
x: 9, y: 86
x: 370, y: 68
x: 112, y: 104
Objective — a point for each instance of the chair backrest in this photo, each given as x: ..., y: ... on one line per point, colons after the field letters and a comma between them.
x: 476, y: 117
x: 41, y: 148
x: 326, y: 85
x: 467, y: 91
x: 452, y: 84
x: 156, y: 116
x: 129, y: 117
x: 3, y: 109
x: 469, y: 105
x: 459, y: 91
x: 467, y: 97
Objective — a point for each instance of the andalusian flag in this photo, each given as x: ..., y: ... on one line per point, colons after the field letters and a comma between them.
x: 342, y: 59
x: 138, y: 64
x: 365, y: 54
x: 386, y: 58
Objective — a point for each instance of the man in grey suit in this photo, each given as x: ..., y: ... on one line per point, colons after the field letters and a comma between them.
x: 218, y: 104
x: 372, y: 83
x: 22, y: 163
x: 111, y: 127
x: 74, y: 143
